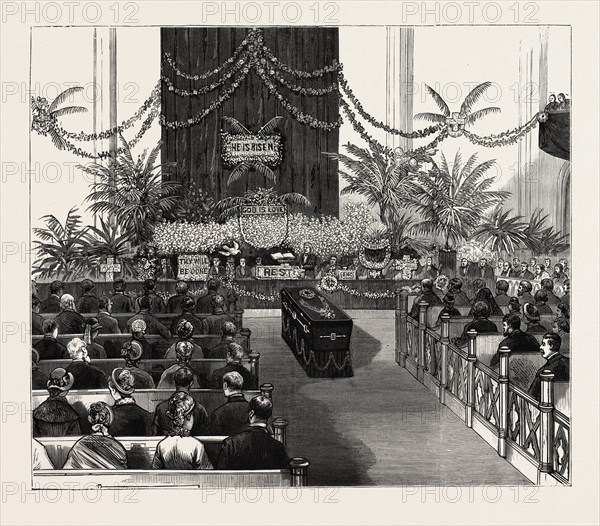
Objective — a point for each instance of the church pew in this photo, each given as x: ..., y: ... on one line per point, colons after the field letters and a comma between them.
x: 457, y: 324
x: 204, y: 367
x: 148, y: 399
x: 113, y: 343
x: 165, y: 319
x: 140, y: 450
x: 69, y: 479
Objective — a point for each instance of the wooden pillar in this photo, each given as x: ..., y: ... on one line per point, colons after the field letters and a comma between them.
x: 267, y: 390
x: 445, y: 332
x: 238, y: 317
x: 422, y: 329
x: 113, y: 90
x: 401, y: 315
x: 399, y: 80
x: 299, y: 467
x: 279, y: 426
x: 245, y: 335
x: 254, y: 358
x: 503, y: 400
x: 471, y: 359
x: 547, y: 422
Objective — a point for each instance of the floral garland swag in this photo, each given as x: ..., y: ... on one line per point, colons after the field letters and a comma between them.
x: 253, y: 55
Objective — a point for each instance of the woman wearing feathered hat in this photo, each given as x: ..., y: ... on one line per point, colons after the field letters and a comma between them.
x: 129, y: 418
x: 55, y: 417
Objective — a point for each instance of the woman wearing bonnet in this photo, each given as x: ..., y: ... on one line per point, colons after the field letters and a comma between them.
x: 98, y: 450
x: 180, y: 450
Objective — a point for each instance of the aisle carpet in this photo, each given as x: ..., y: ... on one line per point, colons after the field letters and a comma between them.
x: 380, y: 427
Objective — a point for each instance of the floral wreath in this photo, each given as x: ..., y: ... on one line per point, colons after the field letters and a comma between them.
x: 374, y: 265
x: 329, y: 283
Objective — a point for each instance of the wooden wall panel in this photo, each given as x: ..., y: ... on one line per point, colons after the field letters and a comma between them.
x: 197, y: 149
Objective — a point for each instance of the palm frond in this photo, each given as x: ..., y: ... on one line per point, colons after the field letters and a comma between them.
x: 238, y: 172
x: 62, y: 97
x: 475, y: 116
x: 439, y: 101
x: 69, y: 110
x: 431, y: 117
x: 473, y: 96
x: 270, y: 126
x: 236, y: 125
x: 265, y: 171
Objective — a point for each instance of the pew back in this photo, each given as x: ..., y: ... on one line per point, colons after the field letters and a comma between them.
x: 457, y: 324
x: 165, y: 319
x: 148, y: 399
x: 69, y: 479
x: 204, y: 367
x: 113, y: 343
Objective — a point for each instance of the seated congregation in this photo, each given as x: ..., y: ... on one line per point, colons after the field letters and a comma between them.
x: 535, y: 327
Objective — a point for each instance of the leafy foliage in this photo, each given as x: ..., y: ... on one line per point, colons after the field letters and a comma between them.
x: 60, y: 247
x: 132, y: 192
x: 541, y: 238
x: 452, y: 202
x: 465, y: 109
x: 501, y: 232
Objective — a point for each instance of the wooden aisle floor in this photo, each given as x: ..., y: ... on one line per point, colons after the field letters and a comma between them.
x: 381, y: 427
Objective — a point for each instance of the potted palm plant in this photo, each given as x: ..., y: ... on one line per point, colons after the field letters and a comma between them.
x: 132, y: 193
x: 501, y: 232
x: 452, y: 202
x: 61, y: 248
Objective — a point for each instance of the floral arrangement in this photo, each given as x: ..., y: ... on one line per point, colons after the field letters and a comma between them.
x: 328, y: 234
x: 474, y: 251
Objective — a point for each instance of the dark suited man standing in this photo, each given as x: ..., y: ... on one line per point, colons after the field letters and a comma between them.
x: 485, y: 272
x: 555, y: 363
x: 308, y: 261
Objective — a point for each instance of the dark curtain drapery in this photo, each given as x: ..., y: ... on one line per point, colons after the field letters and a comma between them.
x: 197, y: 150
x: 555, y: 135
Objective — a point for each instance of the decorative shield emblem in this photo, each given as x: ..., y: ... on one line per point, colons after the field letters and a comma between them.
x: 264, y: 226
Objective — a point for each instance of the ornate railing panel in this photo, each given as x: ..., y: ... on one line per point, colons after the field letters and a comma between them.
x: 562, y: 445
x: 457, y: 373
x: 487, y: 394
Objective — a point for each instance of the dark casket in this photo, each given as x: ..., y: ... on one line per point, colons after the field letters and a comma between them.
x: 317, y: 331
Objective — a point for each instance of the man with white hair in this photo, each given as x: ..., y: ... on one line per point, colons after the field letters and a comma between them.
x: 68, y: 319
x: 86, y: 376
x: 183, y: 352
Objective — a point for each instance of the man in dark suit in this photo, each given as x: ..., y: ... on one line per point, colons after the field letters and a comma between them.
x: 524, y: 292
x: 163, y: 425
x: 109, y: 324
x: 308, y: 261
x: 485, y: 272
x: 37, y: 321
x: 254, y: 448
x: 157, y: 304
x: 212, y: 324
x: 52, y: 302
x: 38, y: 378
x: 515, y: 339
x: 541, y: 302
x: 86, y: 376
x: 188, y: 306
x: 428, y: 271
x: 427, y: 295
x: 460, y: 296
x: 548, y: 285
x: 566, y: 298
x: 121, y: 302
x: 242, y: 271
x: 480, y: 323
x: 532, y: 319
x: 153, y: 326
x: 219, y: 351
x: 235, y: 353
x: 232, y: 417
x: 555, y: 363
x: 130, y: 419
x: 501, y: 293
x: 216, y: 270
x: 181, y: 292
x: 507, y: 270
x: 204, y: 303
x: 464, y: 270
x: 88, y: 302
x: 524, y: 272
x: 68, y: 319
x: 50, y: 348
